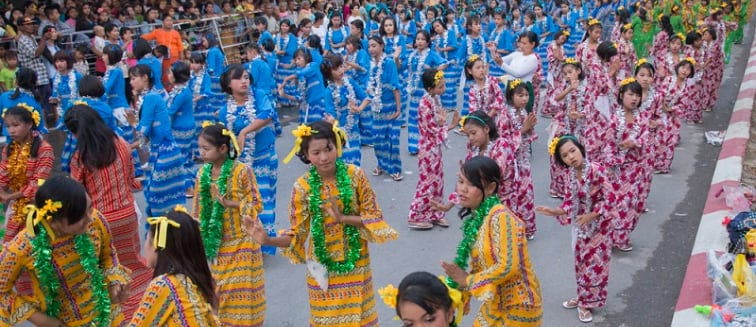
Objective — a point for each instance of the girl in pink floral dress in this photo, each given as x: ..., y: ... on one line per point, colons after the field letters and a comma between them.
x: 586, y: 51
x: 485, y: 93
x: 676, y: 95
x: 714, y: 63
x: 627, y: 136
x: 626, y: 51
x: 651, y: 100
x: 694, y: 49
x: 519, y: 130
x: 554, y: 82
x: 431, y: 121
x: 589, y: 203
x: 666, y: 62
x: 661, y: 40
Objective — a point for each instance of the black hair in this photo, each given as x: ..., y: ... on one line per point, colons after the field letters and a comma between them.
x: 377, y: 39
x: 318, y: 16
x: 590, y: 28
x: 181, y: 72
x: 646, y: 65
x: 96, y: 141
x: 429, y: 78
x: 479, y: 171
x: 425, y: 34
x: 160, y: 51
x: 64, y: 56
x: 686, y: 62
x: 382, y: 31
x: 692, y: 37
x: 469, y: 66
x: 303, y: 23
x: 472, y: 20
x: 71, y: 195
x: 623, y: 15
x: 440, y: 21
x: 531, y: 36
x: 321, y: 130
x: 633, y: 86
x: 424, y: 290
x: 268, y: 45
x: 606, y: 50
x: 576, y: 65
x: 197, y: 58
x: 712, y: 31
x: 292, y: 25
x: 481, y: 119
x: 304, y: 53
x: 511, y: 91
x: 313, y: 41
x: 213, y: 134
x: 666, y: 26
x: 25, y: 116
x: 562, y: 141
x: 330, y: 62
x: 252, y: 46
x: 123, y: 30
x: 184, y: 253
x: 10, y: 54
x: 141, y: 48
x: 358, y: 24
x: 109, y: 27
x: 260, y: 20
x: 355, y: 41
x: 49, y: 9
x: 91, y: 86
x: 233, y: 71
x: 26, y: 78
x: 143, y: 70
x: 114, y: 52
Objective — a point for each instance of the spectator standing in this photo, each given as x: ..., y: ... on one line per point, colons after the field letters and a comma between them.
x: 52, y: 17
x: 8, y: 73
x: 271, y: 17
x: 30, y: 56
x: 170, y: 38
x: 86, y: 20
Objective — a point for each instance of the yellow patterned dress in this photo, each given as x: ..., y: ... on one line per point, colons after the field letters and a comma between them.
x: 502, y: 276
x: 350, y: 299
x: 76, y: 298
x: 238, y: 269
x: 174, y: 300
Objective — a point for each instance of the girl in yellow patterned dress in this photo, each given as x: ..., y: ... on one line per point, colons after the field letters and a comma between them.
x: 182, y: 293
x: 65, y: 247
x: 227, y: 190
x: 334, y: 206
x: 501, y: 275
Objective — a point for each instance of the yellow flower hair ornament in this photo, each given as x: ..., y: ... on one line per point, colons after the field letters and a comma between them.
x: 232, y: 136
x: 180, y: 208
x: 593, y: 21
x: 438, y: 77
x: 30, y: 109
x: 571, y: 61
x: 388, y: 295
x: 566, y: 33
x: 659, y: 17
x: 627, y: 81
x: 300, y: 132
x: 514, y: 83
x: 161, y: 231
x: 641, y: 61
x: 552, y: 145
x: 35, y: 215
x: 80, y: 102
x: 680, y: 36
x: 473, y: 58
x: 207, y: 123
x: 690, y: 60
x: 340, y: 134
x: 628, y: 26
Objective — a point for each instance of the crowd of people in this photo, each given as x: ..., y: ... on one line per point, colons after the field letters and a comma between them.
x: 616, y: 79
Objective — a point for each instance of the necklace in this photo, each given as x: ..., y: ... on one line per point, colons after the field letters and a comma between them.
x: 211, y: 214
x: 622, y: 128
x: 198, y: 78
x: 73, y: 91
x: 579, y: 101
x: 351, y: 233
x: 393, y: 45
x: 418, y: 58
x: 375, y: 87
x: 470, y: 230
x: 472, y: 43
x: 248, y: 113
x: 483, y: 101
x: 579, y: 193
x: 177, y: 89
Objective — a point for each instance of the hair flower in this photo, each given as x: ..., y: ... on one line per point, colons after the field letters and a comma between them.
x: 437, y: 78
x: 552, y: 145
x: 593, y: 21
x: 473, y: 57
x: 514, y: 83
x: 300, y: 132
x: 35, y: 215
x: 571, y: 61
x: 207, y: 123
x: 641, y: 61
x: 627, y: 81
x: 388, y: 295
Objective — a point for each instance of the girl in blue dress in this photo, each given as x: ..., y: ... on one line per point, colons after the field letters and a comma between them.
x: 407, y: 27
x: 383, y: 89
x: 395, y: 47
x: 248, y: 114
x: 143, y: 52
x: 285, y: 45
x: 215, y: 64
x: 356, y: 64
x: 65, y: 84
x: 503, y: 38
x: 200, y: 84
x: 336, y: 35
x: 545, y: 28
x: 446, y: 43
x: 165, y: 184
x: 183, y: 126
x: 114, y: 84
x: 412, y: 67
x: 313, y: 108
x: 26, y: 81
x: 473, y: 43
x: 348, y: 99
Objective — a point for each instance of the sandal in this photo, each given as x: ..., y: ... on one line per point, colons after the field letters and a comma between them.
x: 570, y: 304
x: 420, y: 226
x: 625, y: 248
x: 377, y: 171
x: 397, y: 177
x: 441, y: 222
x: 585, y: 315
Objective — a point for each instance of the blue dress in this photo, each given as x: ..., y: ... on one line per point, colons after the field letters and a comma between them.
x: 338, y: 97
x: 24, y: 97
x: 385, y: 131
x: 216, y: 66
x: 258, y: 153
x: 504, y: 40
x: 540, y: 27
x: 181, y: 110
x: 165, y: 185
x: 360, y: 77
x: 288, y: 45
x: 313, y: 108
x: 157, y: 70
x: 413, y: 71
x: 260, y: 73
x: 452, y: 71
x: 336, y: 36
x: 201, y: 85
x: 66, y: 89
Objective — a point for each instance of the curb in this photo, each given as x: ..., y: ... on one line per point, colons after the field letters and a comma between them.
x: 696, y: 287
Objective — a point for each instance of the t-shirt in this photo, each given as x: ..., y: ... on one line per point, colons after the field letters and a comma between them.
x: 8, y: 78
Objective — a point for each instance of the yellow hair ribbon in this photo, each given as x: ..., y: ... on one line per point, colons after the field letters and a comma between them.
x: 180, y: 208
x: 80, y: 102
x: 553, y: 144
x: 207, y: 123
x: 593, y: 21
x: 462, y: 122
x: 628, y: 26
x: 680, y: 36
x: 339, y: 135
x: 161, y: 232
x: 724, y: 4
x: 457, y: 303
x: 571, y: 61
x: 473, y: 58
x: 301, y: 131
x: 641, y: 61
x: 690, y: 60
x: 514, y: 83
x: 627, y: 81
x: 231, y: 135
x: 41, y: 213
x: 566, y: 33
x: 437, y: 78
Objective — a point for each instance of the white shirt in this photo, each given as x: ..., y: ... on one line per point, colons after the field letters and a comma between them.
x: 320, y: 32
x: 520, y: 66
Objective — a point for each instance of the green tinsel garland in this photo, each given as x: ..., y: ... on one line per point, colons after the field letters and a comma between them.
x: 50, y: 284
x: 470, y: 229
x: 346, y: 194
x: 211, y: 216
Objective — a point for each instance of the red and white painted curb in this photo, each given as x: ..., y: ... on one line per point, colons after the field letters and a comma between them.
x: 696, y: 287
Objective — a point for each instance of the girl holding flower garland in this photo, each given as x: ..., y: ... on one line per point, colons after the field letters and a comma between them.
x: 336, y: 34
x: 66, y: 246
x: 471, y: 45
x: 182, y: 291
x: 26, y: 160
x: 102, y: 163
x: 714, y: 62
x: 248, y: 114
x: 485, y: 93
x: 676, y: 100
x: 589, y: 201
x: 433, y: 131
x: 227, y: 191
x: 494, y: 241
x: 334, y: 207
x: 501, y: 38
x: 165, y: 186
x: 585, y: 52
x: 181, y: 110
x: 665, y: 64
x: 383, y: 87
x: 627, y: 137
x: 650, y: 107
x: 348, y: 99
x: 694, y: 49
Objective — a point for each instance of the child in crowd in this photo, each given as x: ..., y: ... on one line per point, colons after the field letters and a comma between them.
x: 8, y: 72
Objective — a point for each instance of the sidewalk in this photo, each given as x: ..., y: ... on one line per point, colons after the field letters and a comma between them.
x: 696, y: 287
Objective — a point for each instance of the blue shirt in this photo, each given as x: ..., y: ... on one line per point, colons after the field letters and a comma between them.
x: 181, y: 109
x: 288, y: 45
x: 336, y: 36
x: 265, y: 35
x: 265, y: 136
x: 342, y: 107
x: 115, y: 88
x: 389, y: 82
x: 313, y: 81
x: 362, y: 58
x: 6, y: 102
x: 262, y: 76
x: 216, y: 61
x: 63, y: 91
x: 203, y: 90
x: 104, y: 110
x: 157, y: 70
x: 154, y: 120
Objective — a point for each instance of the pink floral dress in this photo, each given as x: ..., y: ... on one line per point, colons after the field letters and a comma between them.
x: 521, y: 201
x: 430, y: 183
x: 712, y: 75
x: 488, y: 98
x: 627, y: 59
x: 696, y: 104
x: 554, y: 80
x: 675, y: 97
